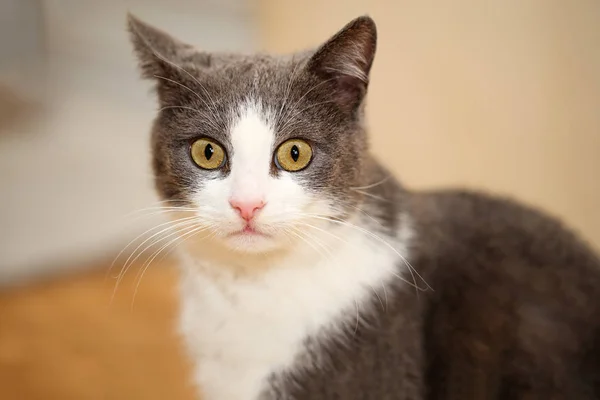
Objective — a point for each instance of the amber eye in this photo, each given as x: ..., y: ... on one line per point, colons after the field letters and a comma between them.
x: 293, y: 155
x: 207, y: 154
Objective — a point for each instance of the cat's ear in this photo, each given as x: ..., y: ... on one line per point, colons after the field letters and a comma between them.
x: 346, y: 60
x: 156, y: 50
x: 171, y: 63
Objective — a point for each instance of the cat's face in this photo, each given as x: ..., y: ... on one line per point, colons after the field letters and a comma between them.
x: 261, y: 150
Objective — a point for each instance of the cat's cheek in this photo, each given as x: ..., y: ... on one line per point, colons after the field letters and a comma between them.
x: 211, y: 201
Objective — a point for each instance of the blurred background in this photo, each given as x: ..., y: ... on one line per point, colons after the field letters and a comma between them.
x: 502, y: 96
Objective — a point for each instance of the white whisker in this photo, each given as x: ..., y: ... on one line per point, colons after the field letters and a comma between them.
x: 324, y: 231
x: 372, y: 185
x: 385, y: 295
x: 131, y: 259
x: 287, y: 93
x: 306, y: 94
x: 381, y: 240
x: 179, y: 107
x: 294, y: 232
x: 190, y: 231
x: 140, y: 236
x: 343, y: 241
x: 362, y: 212
x: 291, y: 118
x: 164, y: 59
x: 377, y: 294
x: 357, y: 317
x: 212, y: 122
x: 371, y: 195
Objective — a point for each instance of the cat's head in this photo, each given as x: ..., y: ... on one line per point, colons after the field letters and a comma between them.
x: 261, y: 149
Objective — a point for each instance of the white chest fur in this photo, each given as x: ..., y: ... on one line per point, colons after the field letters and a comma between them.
x: 241, y: 330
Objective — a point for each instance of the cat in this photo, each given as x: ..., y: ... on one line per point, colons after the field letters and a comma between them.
x: 309, y: 272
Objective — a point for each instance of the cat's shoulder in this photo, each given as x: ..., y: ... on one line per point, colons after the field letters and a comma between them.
x: 465, y: 208
x: 478, y: 221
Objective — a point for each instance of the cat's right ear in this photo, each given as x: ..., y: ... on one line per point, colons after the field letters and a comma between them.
x: 167, y: 61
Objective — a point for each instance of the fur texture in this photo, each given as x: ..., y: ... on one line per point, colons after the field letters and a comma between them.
x: 353, y: 287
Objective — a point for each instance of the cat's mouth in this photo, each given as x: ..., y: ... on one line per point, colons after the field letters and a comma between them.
x: 248, y: 231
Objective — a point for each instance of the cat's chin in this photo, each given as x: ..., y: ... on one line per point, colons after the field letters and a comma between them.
x: 251, y: 242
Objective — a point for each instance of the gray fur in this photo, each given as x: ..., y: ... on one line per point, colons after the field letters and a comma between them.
x: 515, y: 308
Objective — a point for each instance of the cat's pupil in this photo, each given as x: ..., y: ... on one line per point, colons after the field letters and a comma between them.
x: 208, y: 151
x: 295, y: 153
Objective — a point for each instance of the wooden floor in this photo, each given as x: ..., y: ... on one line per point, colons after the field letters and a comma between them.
x: 64, y: 340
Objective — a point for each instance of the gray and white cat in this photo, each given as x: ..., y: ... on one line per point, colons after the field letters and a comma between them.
x: 309, y: 272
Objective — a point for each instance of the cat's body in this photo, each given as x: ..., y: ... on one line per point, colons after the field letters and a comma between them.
x: 327, y: 279
x: 507, y: 320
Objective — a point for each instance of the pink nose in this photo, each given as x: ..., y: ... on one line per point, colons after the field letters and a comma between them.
x: 247, y: 209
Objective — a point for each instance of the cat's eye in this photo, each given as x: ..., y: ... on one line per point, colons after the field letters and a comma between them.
x: 293, y: 155
x: 207, y: 154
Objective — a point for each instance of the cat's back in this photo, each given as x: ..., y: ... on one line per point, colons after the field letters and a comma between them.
x: 471, y: 224
x: 515, y: 306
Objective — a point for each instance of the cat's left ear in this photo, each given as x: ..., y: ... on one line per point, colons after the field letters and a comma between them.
x: 346, y: 60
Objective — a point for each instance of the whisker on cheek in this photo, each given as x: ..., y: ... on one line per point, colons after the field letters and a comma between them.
x: 151, y: 241
x: 187, y: 233
x: 370, y: 234
x: 168, y: 224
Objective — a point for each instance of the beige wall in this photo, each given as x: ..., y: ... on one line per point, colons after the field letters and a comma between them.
x: 501, y: 95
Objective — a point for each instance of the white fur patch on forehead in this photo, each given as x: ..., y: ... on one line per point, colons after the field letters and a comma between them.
x: 252, y: 137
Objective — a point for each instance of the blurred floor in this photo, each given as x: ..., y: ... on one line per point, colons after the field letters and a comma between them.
x: 63, y: 339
